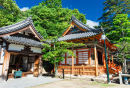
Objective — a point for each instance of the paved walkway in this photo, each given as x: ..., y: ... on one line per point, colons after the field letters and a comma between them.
x: 27, y: 82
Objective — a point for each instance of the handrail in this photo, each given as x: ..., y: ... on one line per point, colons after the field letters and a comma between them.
x: 114, y: 67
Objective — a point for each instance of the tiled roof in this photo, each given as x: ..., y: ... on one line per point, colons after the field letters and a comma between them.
x: 18, y: 26
x: 79, y: 23
x: 22, y: 41
x: 78, y: 35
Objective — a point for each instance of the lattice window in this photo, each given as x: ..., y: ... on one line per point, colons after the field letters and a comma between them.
x: 83, y: 57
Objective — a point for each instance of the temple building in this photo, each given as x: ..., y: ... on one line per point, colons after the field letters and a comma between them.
x: 90, y: 58
x: 20, y: 49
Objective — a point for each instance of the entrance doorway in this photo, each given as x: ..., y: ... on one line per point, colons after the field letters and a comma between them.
x: 19, y: 62
x: 100, y: 61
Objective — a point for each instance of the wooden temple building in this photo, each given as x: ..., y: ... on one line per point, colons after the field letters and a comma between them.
x: 90, y: 58
x: 20, y: 49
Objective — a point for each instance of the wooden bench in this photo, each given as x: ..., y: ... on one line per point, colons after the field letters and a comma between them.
x: 17, y: 74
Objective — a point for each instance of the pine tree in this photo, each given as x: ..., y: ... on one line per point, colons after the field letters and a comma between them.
x: 111, y: 9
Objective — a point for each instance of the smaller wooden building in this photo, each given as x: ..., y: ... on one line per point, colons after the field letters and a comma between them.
x: 91, y: 57
x: 20, y: 49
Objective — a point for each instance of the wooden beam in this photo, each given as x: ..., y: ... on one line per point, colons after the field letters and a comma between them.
x: 34, y: 32
x: 67, y: 30
x: 96, y: 61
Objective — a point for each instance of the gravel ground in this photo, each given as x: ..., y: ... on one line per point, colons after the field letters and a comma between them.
x: 78, y: 83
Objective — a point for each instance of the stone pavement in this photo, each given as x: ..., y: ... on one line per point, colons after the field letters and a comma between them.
x: 25, y: 82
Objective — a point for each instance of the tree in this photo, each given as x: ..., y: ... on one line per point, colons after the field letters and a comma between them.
x: 52, y: 3
x: 50, y: 21
x: 55, y: 50
x: 121, y: 29
x: 121, y: 35
x: 9, y: 12
x: 111, y: 9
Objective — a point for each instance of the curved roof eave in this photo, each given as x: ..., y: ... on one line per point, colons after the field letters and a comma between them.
x: 18, y: 26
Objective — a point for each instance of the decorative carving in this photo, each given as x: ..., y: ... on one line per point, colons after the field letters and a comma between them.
x: 27, y: 49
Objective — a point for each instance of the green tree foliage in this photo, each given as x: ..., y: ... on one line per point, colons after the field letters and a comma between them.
x: 52, y: 20
x: 121, y: 34
x: 111, y: 9
x: 52, y: 3
x: 55, y: 50
x: 121, y: 29
x: 9, y: 12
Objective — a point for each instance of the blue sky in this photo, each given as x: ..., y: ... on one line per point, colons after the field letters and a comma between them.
x: 92, y: 8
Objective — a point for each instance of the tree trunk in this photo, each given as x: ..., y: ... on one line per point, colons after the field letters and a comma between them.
x: 124, y: 64
x: 56, y: 68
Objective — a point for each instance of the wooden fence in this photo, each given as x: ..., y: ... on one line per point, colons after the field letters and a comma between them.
x: 89, y: 70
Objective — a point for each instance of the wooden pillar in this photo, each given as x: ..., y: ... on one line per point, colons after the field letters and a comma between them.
x: 40, y: 64
x: 89, y: 56
x: 96, y: 61
x: 36, y: 66
x: 5, y: 65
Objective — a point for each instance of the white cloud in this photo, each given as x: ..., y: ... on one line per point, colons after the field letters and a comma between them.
x: 24, y: 8
x: 92, y: 23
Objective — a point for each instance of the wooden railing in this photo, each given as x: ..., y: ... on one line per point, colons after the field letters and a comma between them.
x: 114, y: 68
x: 78, y: 70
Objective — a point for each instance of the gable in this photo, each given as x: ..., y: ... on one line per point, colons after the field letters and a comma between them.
x: 74, y: 30
x: 26, y: 26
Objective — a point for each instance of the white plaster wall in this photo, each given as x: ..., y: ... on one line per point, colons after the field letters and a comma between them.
x: 15, y: 47
x: 36, y: 50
